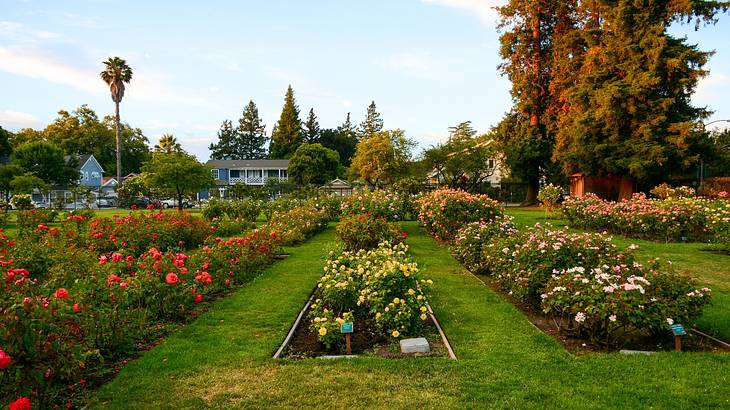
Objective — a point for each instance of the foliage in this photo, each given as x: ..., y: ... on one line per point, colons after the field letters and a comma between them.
x: 243, y: 142
x: 177, y: 174
x: 343, y: 140
x: 474, y: 236
x: 372, y: 124
x: 29, y: 220
x: 312, y: 163
x: 363, y: 231
x: 672, y: 219
x: 464, y: 160
x: 378, y: 203
x: 296, y: 225
x: 664, y: 191
x: 311, y: 130
x: 168, y: 144
x: 46, y: 161
x: 549, y: 196
x: 381, y: 158
x: 22, y: 201
x: 226, y: 146
x: 381, y: 286
x: 244, y: 209
x: 25, y: 184
x: 7, y: 174
x: 287, y: 135
x: 444, y: 211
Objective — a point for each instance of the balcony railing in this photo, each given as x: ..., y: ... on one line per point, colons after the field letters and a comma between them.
x: 254, y: 180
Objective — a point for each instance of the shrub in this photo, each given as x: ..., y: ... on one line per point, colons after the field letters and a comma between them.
x: 378, y: 203
x: 445, y: 211
x: 22, y: 201
x: 472, y: 238
x: 381, y: 286
x: 30, y: 220
x: 549, y: 195
x: 366, y: 232
x: 298, y: 224
x: 607, y: 302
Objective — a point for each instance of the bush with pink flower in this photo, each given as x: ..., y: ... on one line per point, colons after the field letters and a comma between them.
x: 444, y: 211
x: 379, y: 203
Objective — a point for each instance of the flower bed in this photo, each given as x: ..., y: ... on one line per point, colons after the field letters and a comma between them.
x: 298, y: 224
x: 671, y: 219
x: 380, y: 289
x: 445, y: 211
x: 66, y: 308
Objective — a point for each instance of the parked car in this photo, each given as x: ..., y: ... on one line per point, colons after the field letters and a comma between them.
x: 106, y: 202
x: 144, y: 203
x: 172, y: 203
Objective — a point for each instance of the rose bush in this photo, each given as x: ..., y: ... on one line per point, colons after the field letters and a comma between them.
x: 381, y: 287
x: 378, y: 203
x: 445, y: 211
x: 364, y: 231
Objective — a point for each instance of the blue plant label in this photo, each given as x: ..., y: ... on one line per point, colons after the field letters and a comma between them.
x: 678, y: 330
x: 346, y: 327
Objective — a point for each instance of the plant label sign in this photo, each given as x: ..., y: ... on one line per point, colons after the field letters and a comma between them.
x: 678, y: 330
x: 346, y: 327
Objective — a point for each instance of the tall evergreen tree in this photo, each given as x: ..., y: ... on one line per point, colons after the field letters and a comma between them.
x: 287, y: 135
x: 226, y: 146
x: 629, y: 109
x: 343, y: 139
x: 527, y: 51
x: 372, y: 123
x: 311, y: 128
x: 251, y: 132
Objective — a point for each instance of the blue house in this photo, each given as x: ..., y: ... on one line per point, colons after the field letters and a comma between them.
x: 91, y: 174
x: 254, y: 172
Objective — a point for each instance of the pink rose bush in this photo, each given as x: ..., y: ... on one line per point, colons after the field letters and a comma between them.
x: 444, y: 211
x: 378, y: 203
x: 671, y: 219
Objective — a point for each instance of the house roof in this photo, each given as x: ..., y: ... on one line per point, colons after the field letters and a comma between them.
x: 337, y: 183
x: 249, y: 163
x: 83, y: 159
x: 108, y: 181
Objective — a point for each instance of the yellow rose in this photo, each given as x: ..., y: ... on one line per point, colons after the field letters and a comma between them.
x: 322, y: 331
x: 340, y: 320
x: 411, y: 291
x: 386, y: 309
x: 419, y: 297
x: 377, y: 315
x: 430, y: 282
x: 424, y: 308
x: 396, y: 301
x: 423, y: 316
x: 395, y: 333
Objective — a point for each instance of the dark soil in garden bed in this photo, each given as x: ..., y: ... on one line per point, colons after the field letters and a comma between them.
x: 365, y: 340
x: 692, y: 342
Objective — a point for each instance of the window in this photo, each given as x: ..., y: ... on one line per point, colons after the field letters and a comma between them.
x: 214, y: 172
x: 86, y: 176
x: 234, y: 173
x: 491, y: 163
x: 95, y: 174
x: 81, y: 175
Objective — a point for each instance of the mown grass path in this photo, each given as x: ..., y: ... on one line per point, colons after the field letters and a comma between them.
x: 223, y: 359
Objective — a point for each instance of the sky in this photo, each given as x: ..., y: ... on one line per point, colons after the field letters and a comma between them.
x: 427, y: 64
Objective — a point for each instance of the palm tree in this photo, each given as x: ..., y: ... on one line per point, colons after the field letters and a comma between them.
x: 116, y: 73
x: 168, y: 144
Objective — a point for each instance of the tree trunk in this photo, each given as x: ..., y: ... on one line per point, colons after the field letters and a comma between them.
x: 119, y: 146
x: 179, y: 200
x: 535, y: 115
x: 531, y: 198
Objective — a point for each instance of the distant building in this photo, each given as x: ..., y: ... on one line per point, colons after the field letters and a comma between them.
x: 337, y: 187
x: 253, y: 172
x: 91, y: 174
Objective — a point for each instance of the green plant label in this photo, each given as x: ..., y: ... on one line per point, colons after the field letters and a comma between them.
x: 346, y: 327
x: 678, y: 330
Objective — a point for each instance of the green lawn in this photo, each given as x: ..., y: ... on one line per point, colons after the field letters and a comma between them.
x: 223, y: 359
x: 700, y: 260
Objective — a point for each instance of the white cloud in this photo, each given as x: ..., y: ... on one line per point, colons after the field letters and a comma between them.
x: 20, y: 33
x: 16, y: 120
x: 712, y: 88
x: 484, y: 9
x: 144, y: 87
x: 418, y: 65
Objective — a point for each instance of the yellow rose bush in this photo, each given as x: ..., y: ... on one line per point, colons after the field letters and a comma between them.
x: 380, y: 289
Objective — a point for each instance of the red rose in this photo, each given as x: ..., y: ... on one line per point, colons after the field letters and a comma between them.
x: 4, y: 360
x: 198, y: 298
x: 61, y: 293
x: 22, y: 403
x: 102, y: 259
x: 113, y: 278
x: 124, y: 285
x: 171, y: 278
x: 116, y: 257
x: 76, y: 307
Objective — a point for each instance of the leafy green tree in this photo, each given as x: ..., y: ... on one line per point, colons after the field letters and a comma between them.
x: 629, y: 107
x: 5, y: 138
x: 287, y: 135
x: 372, y: 123
x: 251, y: 134
x: 311, y: 129
x: 46, y: 161
x: 225, y: 148
x: 382, y: 158
x: 719, y: 165
x: 26, y: 183
x: 25, y: 136
x: 337, y: 140
x: 465, y: 161
x: 7, y: 174
x: 313, y: 164
x: 116, y: 73
x: 168, y: 144
x: 177, y: 174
